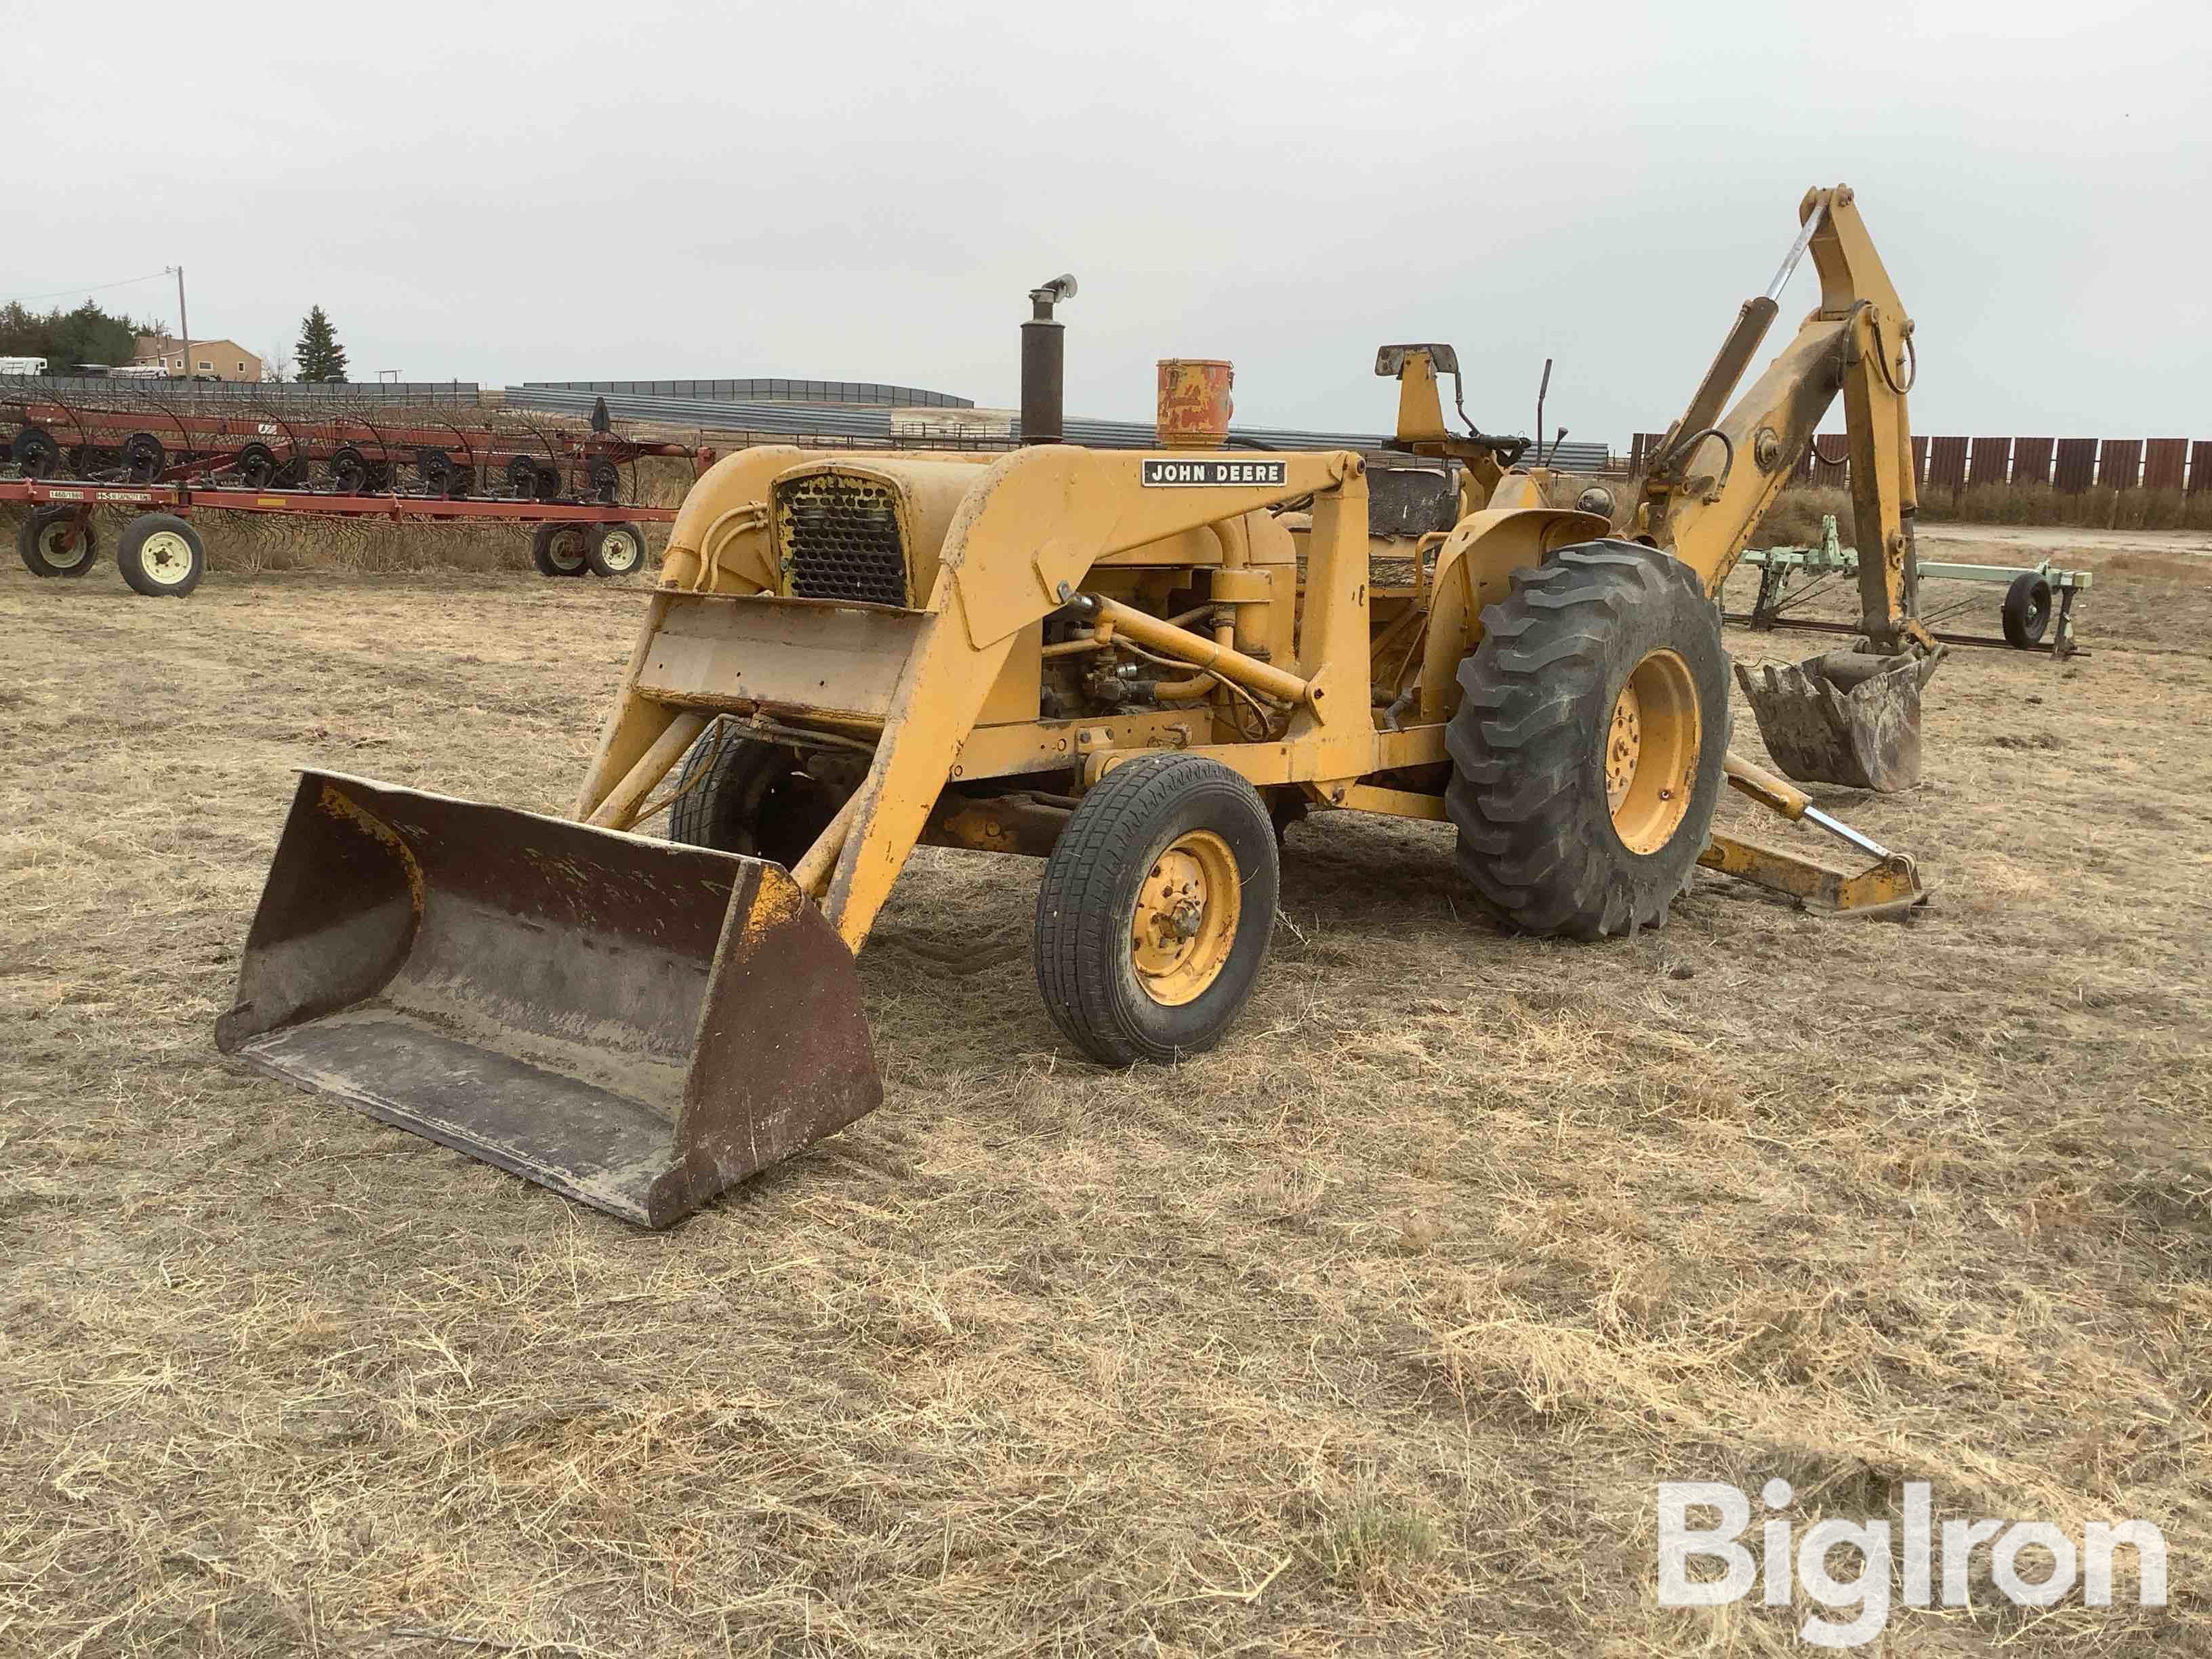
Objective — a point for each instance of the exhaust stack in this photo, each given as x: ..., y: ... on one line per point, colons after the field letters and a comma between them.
x: 1044, y: 359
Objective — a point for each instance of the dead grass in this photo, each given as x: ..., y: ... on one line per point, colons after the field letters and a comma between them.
x: 2100, y: 507
x: 1795, y: 520
x: 1372, y: 1330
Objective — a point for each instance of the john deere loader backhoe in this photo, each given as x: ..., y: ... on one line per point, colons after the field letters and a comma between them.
x: 1137, y: 666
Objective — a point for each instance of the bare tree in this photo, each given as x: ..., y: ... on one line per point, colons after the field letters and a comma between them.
x: 277, y: 365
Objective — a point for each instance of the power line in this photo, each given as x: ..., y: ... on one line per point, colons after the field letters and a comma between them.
x: 96, y: 288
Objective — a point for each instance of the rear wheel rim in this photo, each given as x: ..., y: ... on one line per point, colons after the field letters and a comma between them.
x: 1184, y: 925
x: 621, y: 552
x: 565, y: 550
x: 64, y: 546
x: 1651, y: 745
x: 166, y: 557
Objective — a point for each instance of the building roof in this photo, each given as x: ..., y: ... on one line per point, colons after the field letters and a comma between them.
x: 153, y: 345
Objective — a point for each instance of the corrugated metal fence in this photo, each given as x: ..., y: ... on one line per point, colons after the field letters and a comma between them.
x: 864, y: 425
x: 769, y: 390
x: 2070, y: 465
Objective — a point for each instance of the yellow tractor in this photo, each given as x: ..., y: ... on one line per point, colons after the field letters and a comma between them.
x: 1141, y: 667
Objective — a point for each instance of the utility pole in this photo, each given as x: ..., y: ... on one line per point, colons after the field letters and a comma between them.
x: 183, y: 325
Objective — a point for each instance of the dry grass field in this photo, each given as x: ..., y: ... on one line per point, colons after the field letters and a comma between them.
x: 1372, y: 1331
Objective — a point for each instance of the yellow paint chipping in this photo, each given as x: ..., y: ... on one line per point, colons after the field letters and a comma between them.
x: 339, y: 805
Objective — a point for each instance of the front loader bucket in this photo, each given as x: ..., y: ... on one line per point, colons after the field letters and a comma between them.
x: 1844, y: 718
x: 635, y: 1023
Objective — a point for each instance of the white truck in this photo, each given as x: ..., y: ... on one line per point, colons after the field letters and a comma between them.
x: 22, y: 364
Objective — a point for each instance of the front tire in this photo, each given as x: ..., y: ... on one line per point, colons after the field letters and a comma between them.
x: 742, y: 795
x: 1588, y: 750
x: 1157, y: 904
x: 161, y: 556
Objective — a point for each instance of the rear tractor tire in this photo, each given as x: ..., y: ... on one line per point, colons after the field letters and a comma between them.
x: 1157, y: 904
x: 161, y: 556
x: 742, y: 795
x: 1587, y: 752
x: 54, y: 542
x: 559, y: 549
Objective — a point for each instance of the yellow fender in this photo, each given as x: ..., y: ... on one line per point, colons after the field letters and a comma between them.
x: 1475, y: 568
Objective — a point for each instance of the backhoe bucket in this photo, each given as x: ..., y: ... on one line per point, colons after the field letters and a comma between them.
x: 634, y: 1023
x: 1844, y: 718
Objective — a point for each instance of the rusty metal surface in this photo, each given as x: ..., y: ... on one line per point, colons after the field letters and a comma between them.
x: 1991, y: 462
x: 1946, y: 463
x: 634, y: 1023
x: 1410, y: 501
x: 1195, y: 401
x: 2119, y: 463
x: 1820, y: 729
x: 2031, y: 460
x: 2165, y: 462
x: 2074, y: 465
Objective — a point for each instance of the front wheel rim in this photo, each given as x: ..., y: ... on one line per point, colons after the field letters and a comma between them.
x: 565, y: 552
x: 1183, y: 925
x: 1651, y: 745
x: 621, y: 553
x: 166, y: 557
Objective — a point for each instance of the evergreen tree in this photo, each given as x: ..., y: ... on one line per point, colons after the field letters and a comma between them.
x: 320, y: 355
x: 67, y: 339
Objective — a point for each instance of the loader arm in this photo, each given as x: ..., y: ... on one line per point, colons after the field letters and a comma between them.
x: 1716, y: 474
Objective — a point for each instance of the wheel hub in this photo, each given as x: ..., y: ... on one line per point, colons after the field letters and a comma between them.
x: 1185, y: 919
x: 166, y: 557
x: 1623, y: 745
x: 1652, y: 743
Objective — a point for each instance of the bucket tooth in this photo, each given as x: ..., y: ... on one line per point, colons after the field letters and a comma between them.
x: 635, y: 1023
x: 1843, y: 718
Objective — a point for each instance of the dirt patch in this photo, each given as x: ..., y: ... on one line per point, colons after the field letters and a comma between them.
x: 1374, y: 1328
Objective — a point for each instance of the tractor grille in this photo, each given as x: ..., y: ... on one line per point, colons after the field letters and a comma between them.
x: 840, y: 540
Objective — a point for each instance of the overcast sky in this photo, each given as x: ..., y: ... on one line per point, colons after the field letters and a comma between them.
x: 512, y: 192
